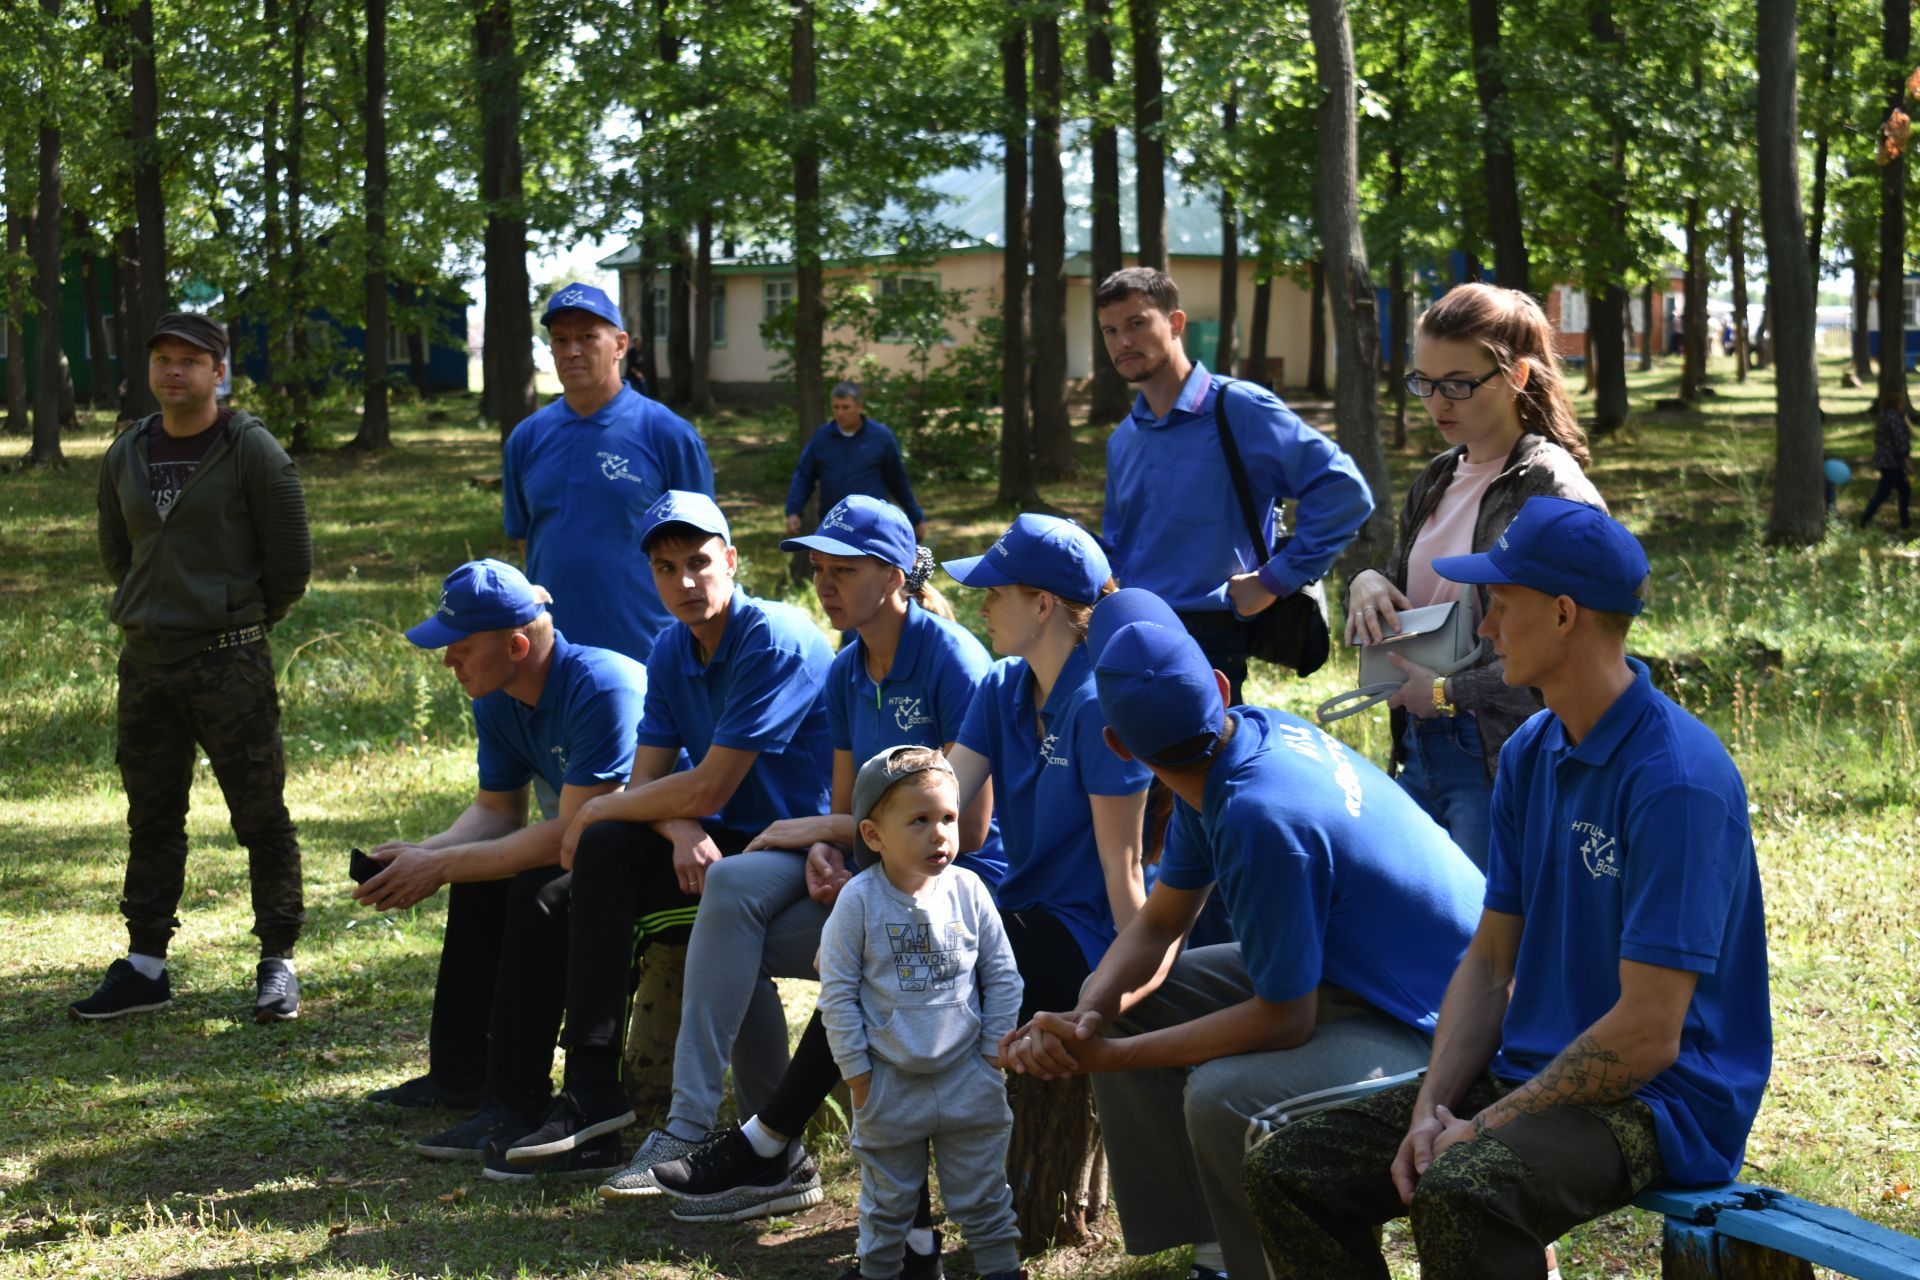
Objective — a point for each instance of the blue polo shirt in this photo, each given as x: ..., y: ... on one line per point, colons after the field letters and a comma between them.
x: 922, y: 702
x: 580, y: 733
x: 764, y: 690
x: 868, y: 461
x: 1043, y: 771
x: 1634, y: 844
x: 1172, y: 523
x: 1330, y: 872
x: 577, y: 490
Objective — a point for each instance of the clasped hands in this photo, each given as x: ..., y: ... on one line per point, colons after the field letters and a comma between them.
x: 1056, y: 1046
x: 1427, y: 1138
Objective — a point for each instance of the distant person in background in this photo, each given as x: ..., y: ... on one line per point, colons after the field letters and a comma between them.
x: 636, y: 373
x: 580, y: 475
x: 203, y: 529
x: 1893, y: 455
x: 1483, y: 365
x: 852, y: 454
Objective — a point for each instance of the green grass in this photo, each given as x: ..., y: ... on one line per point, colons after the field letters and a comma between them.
x: 195, y: 1144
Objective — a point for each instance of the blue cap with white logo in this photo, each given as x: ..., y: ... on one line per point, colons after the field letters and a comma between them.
x: 1039, y: 551
x: 583, y: 297
x: 1562, y: 548
x: 1157, y: 689
x: 481, y: 595
x: 863, y: 526
x: 696, y: 511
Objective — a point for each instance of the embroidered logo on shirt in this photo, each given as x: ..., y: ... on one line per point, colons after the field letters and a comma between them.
x: 560, y: 755
x: 1598, y: 850
x: 908, y: 713
x: 837, y: 518
x: 1047, y: 756
x: 614, y: 467
x: 916, y: 964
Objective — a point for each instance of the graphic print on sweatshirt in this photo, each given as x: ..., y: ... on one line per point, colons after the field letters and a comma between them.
x: 918, y: 964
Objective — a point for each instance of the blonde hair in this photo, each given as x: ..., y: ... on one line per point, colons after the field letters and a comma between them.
x: 1516, y: 333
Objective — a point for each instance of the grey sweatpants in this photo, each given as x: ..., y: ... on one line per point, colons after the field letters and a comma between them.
x: 963, y: 1111
x: 755, y: 923
x: 1176, y: 1137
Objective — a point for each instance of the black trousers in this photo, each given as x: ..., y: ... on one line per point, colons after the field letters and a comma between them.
x: 1051, y: 965
x: 1892, y: 480
x: 1223, y: 638
x: 222, y: 701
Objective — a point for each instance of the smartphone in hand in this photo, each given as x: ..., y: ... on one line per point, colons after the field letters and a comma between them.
x: 363, y: 868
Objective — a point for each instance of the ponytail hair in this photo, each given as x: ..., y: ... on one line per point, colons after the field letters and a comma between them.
x: 1080, y: 612
x: 919, y: 585
x: 1515, y: 332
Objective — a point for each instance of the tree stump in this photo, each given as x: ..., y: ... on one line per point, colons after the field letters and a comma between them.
x: 653, y: 1028
x: 1056, y: 1164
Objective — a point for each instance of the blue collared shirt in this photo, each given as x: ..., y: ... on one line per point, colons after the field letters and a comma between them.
x: 577, y: 489
x: 1046, y: 761
x: 580, y: 733
x: 868, y: 462
x: 922, y: 702
x: 1330, y: 872
x: 1172, y: 522
x: 1634, y: 845
x: 764, y: 690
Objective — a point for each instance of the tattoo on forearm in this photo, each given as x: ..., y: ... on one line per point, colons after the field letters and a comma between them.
x: 1586, y: 1071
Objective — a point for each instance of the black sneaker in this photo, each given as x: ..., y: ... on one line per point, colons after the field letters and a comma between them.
x: 495, y: 1122
x: 576, y: 1117
x: 923, y: 1266
x: 745, y: 1185
x: 124, y: 990
x: 421, y: 1094
x: 594, y: 1158
x: 276, y: 991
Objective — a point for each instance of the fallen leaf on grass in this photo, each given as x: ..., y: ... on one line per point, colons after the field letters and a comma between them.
x: 337, y: 1229
x: 1898, y: 1191
x: 454, y: 1196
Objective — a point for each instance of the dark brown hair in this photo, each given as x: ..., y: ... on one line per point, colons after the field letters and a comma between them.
x: 1515, y: 332
x: 1158, y: 286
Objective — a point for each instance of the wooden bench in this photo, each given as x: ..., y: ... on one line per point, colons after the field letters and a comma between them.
x: 1738, y: 1232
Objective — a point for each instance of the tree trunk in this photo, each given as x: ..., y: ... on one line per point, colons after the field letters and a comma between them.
x: 1763, y: 336
x: 269, y: 290
x: 126, y: 318
x: 1862, y: 300
x: 810, y: 321
x: 416, y: 340
x: 1693, y: 364
x: 1056, y: 1164
x: 652, y: 1030
x: 1223, y: 350
x: 1646, y: 328
x: 1337, y: 219
x: 1149, y: 148
x: 508, y: 355
x: 1111, y: 397
x: 1799, y: 493
x: 1895, y: 40
x: 1052, y: 433
x: 1399, y: 340
x: 1607, y: 299
x: 1016, y: 446
x: 1317, y: 329
x: 376, y: 432
x: 1737, y: 267
x: 149, y: 201
x: 19, y: 248
x: 679, y: 318
x: 649, y: 337
x: 1257, y: 340
x: 1816, y: 222
x: 1501, y: 176
x: 700, y: 387
x: 47, y: 371
x: 299, y: 381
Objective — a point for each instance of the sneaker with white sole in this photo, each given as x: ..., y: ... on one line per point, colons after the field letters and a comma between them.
x: 788, y: 1183
x: 276, y: 991
x: 594, y: 1158
x: 576, y: 1117
x: 124, y: 990
x: 636, y: 1180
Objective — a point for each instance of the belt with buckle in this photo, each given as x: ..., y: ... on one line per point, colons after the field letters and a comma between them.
x: 239, y: 636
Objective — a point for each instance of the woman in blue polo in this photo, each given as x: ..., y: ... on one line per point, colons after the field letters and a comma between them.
x: 1069, y: 815
x: 906, y: 677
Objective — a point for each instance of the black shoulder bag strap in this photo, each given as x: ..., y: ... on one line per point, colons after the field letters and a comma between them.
x: 1237, y: 470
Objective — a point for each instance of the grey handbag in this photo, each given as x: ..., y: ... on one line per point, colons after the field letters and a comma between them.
x: 1439, y: 637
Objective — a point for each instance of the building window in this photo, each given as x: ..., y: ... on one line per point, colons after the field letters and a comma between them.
x: 4, y: 326
x: 397, y: 352
x: 1911, y: 291
x: 660, y: 321
x: 659, y: 304
x: 1573, y: 310
x: 775, y: 294
x: 894, y: 291
x: 718, y: 306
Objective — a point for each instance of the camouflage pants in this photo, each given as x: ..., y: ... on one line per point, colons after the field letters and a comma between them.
x: 221, y: 701
x: 1485, y: 1209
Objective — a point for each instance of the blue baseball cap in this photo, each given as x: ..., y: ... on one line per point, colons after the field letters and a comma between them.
x: 1563, y: 548
x: 680, y: 506
x: 481, y: 595
x: 1039, y: 551
x: 1157, y: 689
x: 863, y: 526
x: 583, y: 297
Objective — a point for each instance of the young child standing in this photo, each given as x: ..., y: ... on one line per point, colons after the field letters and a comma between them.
x: 917, y: 986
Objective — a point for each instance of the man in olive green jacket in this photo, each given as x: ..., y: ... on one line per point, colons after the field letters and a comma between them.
x: 203, y: 529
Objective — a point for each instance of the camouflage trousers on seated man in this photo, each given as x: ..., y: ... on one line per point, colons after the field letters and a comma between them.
x: 1488, y: 1208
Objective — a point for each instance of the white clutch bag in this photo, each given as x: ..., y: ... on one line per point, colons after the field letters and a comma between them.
x: 1439, y: 637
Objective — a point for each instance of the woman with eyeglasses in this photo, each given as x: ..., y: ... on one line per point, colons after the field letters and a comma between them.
x: 1483, y: 364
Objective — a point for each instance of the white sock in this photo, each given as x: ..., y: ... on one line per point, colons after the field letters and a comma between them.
x: 920, y: 1240
x: 766, y: 1144
x: 149, y: 967
x: 285, y: 960
x: 1211, y: 1256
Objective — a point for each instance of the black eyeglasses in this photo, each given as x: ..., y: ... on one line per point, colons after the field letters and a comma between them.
x: 1451, y: 388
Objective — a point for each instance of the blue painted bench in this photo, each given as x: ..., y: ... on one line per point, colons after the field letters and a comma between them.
x: 1738, y: 1232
